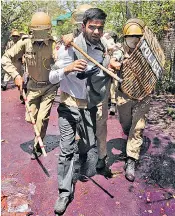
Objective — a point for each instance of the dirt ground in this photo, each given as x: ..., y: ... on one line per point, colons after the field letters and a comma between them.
x: 30, y: 187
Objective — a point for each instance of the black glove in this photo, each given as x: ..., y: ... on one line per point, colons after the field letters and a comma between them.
x: 88, y: 73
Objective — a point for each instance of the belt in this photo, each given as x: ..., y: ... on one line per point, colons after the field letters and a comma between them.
x: 41, y: 83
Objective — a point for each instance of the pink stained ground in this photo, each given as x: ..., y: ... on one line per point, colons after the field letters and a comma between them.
x: 129, y: 199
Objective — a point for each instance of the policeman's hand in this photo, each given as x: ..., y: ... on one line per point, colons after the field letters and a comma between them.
x: 111, y: 69
x: 67, y: 39
x: 125, y: 61
x: 19, y: 82
x: 78, y: 65
x: 88, y: 73
x: 115, y: 64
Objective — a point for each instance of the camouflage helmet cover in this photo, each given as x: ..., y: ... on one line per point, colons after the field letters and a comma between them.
x: 77, y: 15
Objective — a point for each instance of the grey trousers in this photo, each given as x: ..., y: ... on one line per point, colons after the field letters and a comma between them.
x: 72, y: 119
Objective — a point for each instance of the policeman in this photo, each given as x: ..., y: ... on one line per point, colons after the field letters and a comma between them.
x: 132, y: 113
x: 39, y: 57
x: 110, y: 38
x: 14, y: 37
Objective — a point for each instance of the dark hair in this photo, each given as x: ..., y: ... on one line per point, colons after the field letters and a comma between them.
x: 94, y: 13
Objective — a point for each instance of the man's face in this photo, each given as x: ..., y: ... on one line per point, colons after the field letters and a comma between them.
x: 93, y: 30
x: 15, y: 38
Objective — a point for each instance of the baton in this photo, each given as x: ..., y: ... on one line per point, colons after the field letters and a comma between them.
x: 96, y: 63
x: 34, y: 124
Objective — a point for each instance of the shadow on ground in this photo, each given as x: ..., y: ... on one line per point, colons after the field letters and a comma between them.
x: 50, y: 142
x: 154, y: 168
x: 116, y: 151
x: 119, y: 146
x: 159, y: 168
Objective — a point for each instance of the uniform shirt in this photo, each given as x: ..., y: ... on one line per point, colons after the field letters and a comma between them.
x: 16, y: 61
x: 9, y: 45
x: 70, y: 84
x: 121, y: 52
x: 108, y: 41
x: 38, y: 58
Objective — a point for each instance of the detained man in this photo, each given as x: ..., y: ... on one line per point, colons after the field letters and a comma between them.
x: 82, y: 86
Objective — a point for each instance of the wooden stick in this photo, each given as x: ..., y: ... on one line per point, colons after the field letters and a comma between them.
x: 96, y: 63
x: 34, y: 124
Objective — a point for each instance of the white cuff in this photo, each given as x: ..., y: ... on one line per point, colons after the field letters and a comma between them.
x: 56, y: 76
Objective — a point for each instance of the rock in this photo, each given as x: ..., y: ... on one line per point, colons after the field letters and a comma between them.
x: 18, y: 203
x: 15, y: 199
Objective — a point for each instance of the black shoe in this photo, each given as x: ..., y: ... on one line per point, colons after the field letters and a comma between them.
x: 22, y: 99
x: 112, y: 109
x: 101, y: 163
x: 36, y: 153
x: 130, y: 169
x: 83, y: 167
x: 4, y: 86
x: 61, y: 205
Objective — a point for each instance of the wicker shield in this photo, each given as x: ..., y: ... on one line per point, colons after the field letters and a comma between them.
x: 143, y: 68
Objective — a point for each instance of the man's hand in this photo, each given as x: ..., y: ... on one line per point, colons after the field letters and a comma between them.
x: 88, y: 73
x: 19, y: 82
x: 115, y: 64
x: 67, y: 39
x: 78, y: 65
x: 125, y: 61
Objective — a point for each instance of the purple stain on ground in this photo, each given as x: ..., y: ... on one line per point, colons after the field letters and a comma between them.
x: 151, y: 194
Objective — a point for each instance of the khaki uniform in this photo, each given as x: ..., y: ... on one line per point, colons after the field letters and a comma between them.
x: 102, y: 109
x: 16, y: 61
x: 117, y: 50
x: 114, y: 84
x: 41, y: 93
x: 101, y: 125
x: 132, y: 115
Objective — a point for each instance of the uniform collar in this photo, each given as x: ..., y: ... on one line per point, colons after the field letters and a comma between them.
x: 97, y: 46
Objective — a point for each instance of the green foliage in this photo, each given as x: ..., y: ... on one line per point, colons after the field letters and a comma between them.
x: 162, y: 85
x: 171, y: 112
x: 17, y: 15
x: 64, y: 28
x: 156, y: 14
x: 52, y: 7
x: 166, y: 83
x: 67, y: 26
